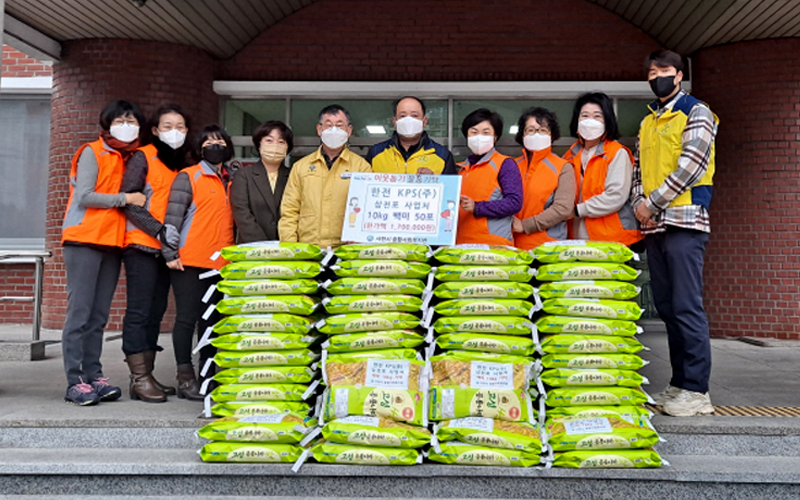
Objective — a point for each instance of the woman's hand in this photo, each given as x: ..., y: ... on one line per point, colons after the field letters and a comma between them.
x: 137, y: 199
x: 425, y: 171
x: 468, y: 204
x: 516, y: 226
x: 176, y: 265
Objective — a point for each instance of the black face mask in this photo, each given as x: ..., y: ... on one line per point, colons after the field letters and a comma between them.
x: 662, y: 86
x: 216, y: 153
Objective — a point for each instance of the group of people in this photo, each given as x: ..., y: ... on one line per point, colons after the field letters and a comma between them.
x: 166, y: 220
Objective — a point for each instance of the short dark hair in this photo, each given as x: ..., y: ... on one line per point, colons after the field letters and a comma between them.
x: 663, y: 59
x: 334, y: 109
x: 163, y: 110
x: 266, y: 128
x: 212, y: 131
x: 544, y: 117
x: 606, y: 106
x: 395, y: 103
x: 115, y: 109
x: 480, y: 115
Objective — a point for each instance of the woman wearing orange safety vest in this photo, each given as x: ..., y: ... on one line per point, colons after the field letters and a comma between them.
x: 548, y: 182
x: 603, y: 170
x: 200, y: 212
x: 151, y: 170
x: 491, y: 187
x: 93, y: 233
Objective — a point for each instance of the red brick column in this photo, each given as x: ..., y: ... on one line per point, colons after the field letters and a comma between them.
x: 91, y: 74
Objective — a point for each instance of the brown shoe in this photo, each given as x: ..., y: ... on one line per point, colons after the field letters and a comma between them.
x: 150, y: 362
x: 188, y: 385
x: 142, y: 386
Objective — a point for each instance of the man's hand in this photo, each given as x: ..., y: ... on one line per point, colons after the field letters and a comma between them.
x: 425, y: 171
x: 468, y: 204
x: 175, y: 265
x: 644, y: 216
x: 137, y: 199
x: 516, y: 226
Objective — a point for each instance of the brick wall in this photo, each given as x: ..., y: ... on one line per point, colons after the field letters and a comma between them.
x: 18, y: 65
x: 753, y: 266
x: 16, y: 280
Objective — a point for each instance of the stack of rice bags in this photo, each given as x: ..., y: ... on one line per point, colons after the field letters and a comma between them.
x: 479, y: 385
x: 595, y: 414
x: 374, y: 403
x: 266, y: 353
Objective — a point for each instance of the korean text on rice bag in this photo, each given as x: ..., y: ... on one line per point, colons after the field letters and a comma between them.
x: 272, y: 250
x: 489, y: 289
x: 292, y: 304
x: 606, y: 361
x: 594, y: 308
x: 568, y: 377
x: 372, y: 372
x: 491, y: 433
x: 484, y: 307
x: 587, y: 344
x: 478, y: 368
x: 586, y: 326
x: 245, y: 409
x: 286, y: 269
x: 394, y: 251
x: 458, y: 453
x: 453, y: 272
x: 365, y: 322
x: 262, y: 341
x: 375, y: 286
x: 341, y: 304
x: 276, y: 323
x: 267, y: 375
x: 586, y: 271
x: 389, y: 339
x: 355, y: 356
x: 240, y: 288
x: 448, y: 402
x: 279, y: 428
x: 499, y: 255
x: 222, y: 451
x: 259, y: 392
x: 241, y: 359
x: 375, y: 431
x: 501, y: 344
x: 504, y: 325
x: 609, y: 459
x: 629, y: 413
x: 382, y: 268
x: 596, y: 396
x: 582, y: 250
x: 619, y: 290
x: 334, y: 453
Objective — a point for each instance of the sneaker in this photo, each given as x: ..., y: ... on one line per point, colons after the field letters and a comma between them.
x: 105, y: 391
x: 667, y: 394
x: 81, y: 395
x: 689, y: 404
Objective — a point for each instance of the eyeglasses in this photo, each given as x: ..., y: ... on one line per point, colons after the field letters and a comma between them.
x: 540, y: 130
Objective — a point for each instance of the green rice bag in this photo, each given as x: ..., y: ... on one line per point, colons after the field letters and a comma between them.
x: 594, y: 308
x: 582, y: 250
x: 244, y: 409
x: 588, y: 326
x: 279, y: 428
x: 334, y: 453
x: 237, y: 359
x: 266, y: 323
x: 629, y: 413
x: 293, y: 304
x: 259, y: 392
x: 272, y: 250
x: 605, y: 361
x: 365, y: 322
x: 490, y: 289
x: 609, y: 459
x: 453, y: 401
x: 596, y: 396
x: 374, y: 286
x: 267, y: 375
x: 222, y: 451
x: 600, y: 433
x: 350, y: 357
x: 452, y: 272
x: 508, y: 325
x: 493, y: 255
x: 389, y: 339
x: 375, y: 431
x: 340, y: 304
x: 501, y: 344
x: 403, y: 405
x: 491, y: 433
x: 589, y: 289
x: 484, y: 307
x: 586, y: 271
x: 382, y: 268
x: 458, y: 453
x: 589, y: 344
x: 394, y: 251
x: 276, y: 269
x: 568, y: 377
x: 239, y: 288
x: 262, y: 341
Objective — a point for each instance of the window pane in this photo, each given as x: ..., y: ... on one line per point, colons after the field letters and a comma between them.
x: 511, y: 110
x: 629, y: 116
x: 242, y: 117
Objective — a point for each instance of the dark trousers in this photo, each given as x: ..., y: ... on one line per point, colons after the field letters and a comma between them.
x: 675, y: 259
x: 147, y: 278
x: 92, y: 276
x: 189, y: 289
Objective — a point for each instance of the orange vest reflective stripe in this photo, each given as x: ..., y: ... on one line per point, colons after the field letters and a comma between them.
x: 621, y: 226
x: 539, y: 183
x: 96, y: 226
x: 208, y: 224
x: 157, y: 187
x: 479, y: 182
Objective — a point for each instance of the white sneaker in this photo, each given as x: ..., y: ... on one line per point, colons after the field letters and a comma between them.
x: 667, y: 394
x: 689, y: 404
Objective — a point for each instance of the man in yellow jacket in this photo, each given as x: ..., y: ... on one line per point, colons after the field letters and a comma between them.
x: 315, y: 199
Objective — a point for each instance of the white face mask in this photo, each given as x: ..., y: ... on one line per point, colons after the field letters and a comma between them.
x: 173, y: 138
x: 537, y: 142
x: 124, y: 132
x: 334, y: 137
x: 409, y: 126
x: 591, y: 129
x: 480, y: 144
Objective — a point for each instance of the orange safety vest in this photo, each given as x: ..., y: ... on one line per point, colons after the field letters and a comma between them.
x: 157, y: 187
x: 208, y: 225
x: 539, y: 182
x: 621, y: 226
x: 479, y: 182
x: 96, y: 226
